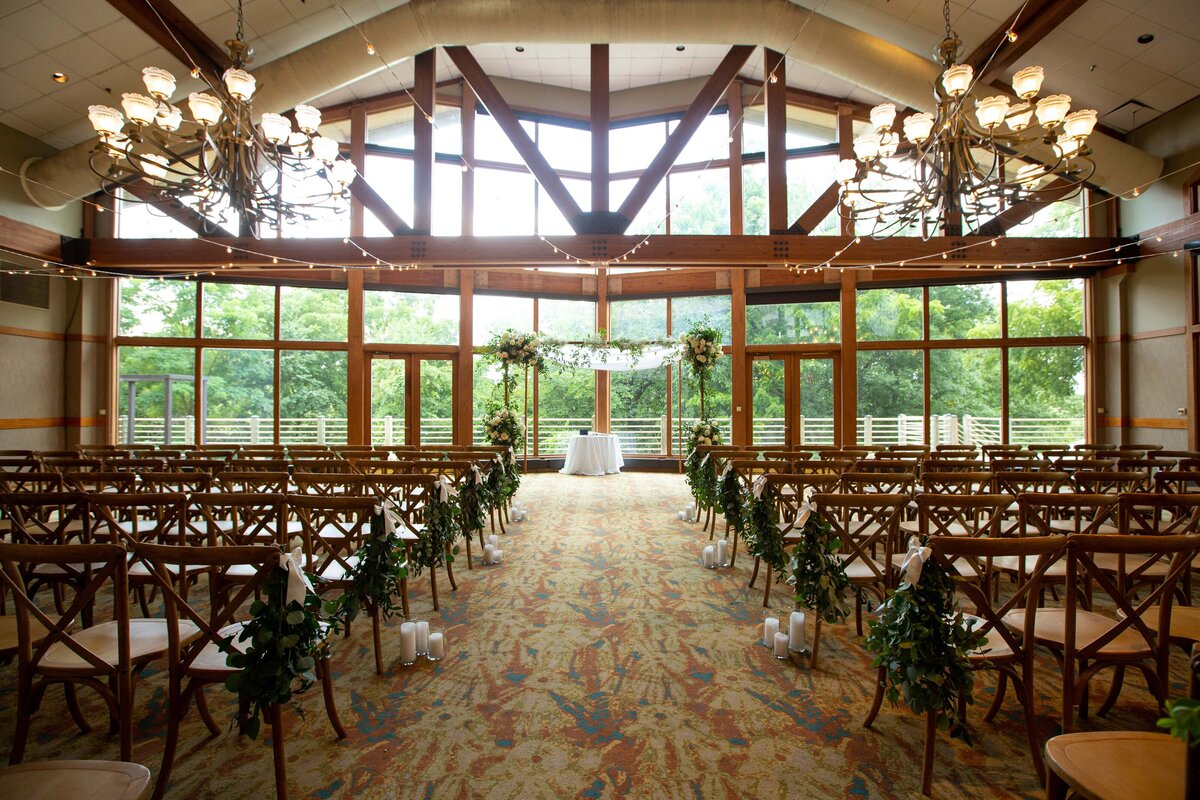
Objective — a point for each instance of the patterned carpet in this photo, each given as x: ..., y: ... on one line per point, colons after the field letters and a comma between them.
x: 599, y: 661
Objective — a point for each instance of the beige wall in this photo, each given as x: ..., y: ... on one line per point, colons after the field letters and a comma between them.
x: 15, y: 149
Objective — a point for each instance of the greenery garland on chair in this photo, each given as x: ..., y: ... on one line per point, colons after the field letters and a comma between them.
x: 921, y: 641
x: 700, y: 471
x: 442, y: 528
x: 375, y: 578
x: 818, y: 576
x: 729, y: 491
x: 764, y: 540
x: 473, y: 502
x: 285, y: 641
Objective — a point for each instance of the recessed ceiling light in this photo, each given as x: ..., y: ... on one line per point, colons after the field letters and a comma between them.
x: 679, y: 48
x: 1146, y: 38
x: 59, y: 77
x: 520, y: 49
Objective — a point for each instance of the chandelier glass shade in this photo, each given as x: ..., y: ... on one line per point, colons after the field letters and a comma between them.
x: 952, y: 170
x: 219, y: 162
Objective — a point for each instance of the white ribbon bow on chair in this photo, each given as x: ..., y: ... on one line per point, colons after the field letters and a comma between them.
x: 759, y: 484
x: 728, y: 466
x: 704, y: 460
x: 478, y: 474
x: 914, y: 561
x: 298, y: 585
x: 445, y: 490
x: 392, y: 456
x: 388, y: 510
x: 512, y: 457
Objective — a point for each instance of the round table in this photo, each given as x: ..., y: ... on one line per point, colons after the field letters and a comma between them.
x: 85, y: 780
x: 593, y: 454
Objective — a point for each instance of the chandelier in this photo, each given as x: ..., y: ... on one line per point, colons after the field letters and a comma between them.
x: 220, y: 163
x: 957, y: 170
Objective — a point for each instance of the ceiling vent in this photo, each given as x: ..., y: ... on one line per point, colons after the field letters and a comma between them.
x: 25, y: 290
x: 1129, y: 116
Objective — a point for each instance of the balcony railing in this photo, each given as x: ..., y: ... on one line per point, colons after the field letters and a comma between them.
x: 638, y: 435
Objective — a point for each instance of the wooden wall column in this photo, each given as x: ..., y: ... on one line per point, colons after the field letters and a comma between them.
x: 600, y: 111
x: 740, y: 373
x: 467, y: 121
x: 358, y: 422
x: 775, y: 90
x: 603, y: 384
x: 424, y: 81
x: 848, y: 412
x: 464, y: 398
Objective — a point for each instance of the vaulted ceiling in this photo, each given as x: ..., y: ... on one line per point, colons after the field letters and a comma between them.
x: 1093, y: 55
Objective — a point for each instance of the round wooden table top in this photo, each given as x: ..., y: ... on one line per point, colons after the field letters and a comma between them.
x: 1119, y: 765
x: 79, y: 780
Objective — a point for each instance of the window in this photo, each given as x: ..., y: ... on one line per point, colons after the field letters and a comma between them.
x: 312, y: 397
x: 138, y: 220
x: 1045, y: 308
x: 566, y: 403
x: 409, y: 318
x: 889, y: 315
x: 1046, y: 394
x: 551, y: 221
x: 151, y: 307
x: 570, y: 320
x: 312, y: 315
x: 392, y: 178
x: 964, y: 312
x: 238, y: 396
x: 631, y: 147
x: 503, y: 203
x: 964, y: 396
x: 493, y: 314
x: 891, y: 397
x: 156, y: 395
x: 239, y: 311
x: 715, y: 310
x: 710, y: 142
x: 700, y: 202
x: 652, y: 218
x: 564, y: 147
x: 638, y: 399
x: 793, y: 323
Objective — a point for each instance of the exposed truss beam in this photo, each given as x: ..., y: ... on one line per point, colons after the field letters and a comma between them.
x: 1017, y: 213
x: 372, y: 201
x: 775, y: 93
x: 504, y: 116
x: 727, y: 251
x: 816, y: 212
x: 1031, y: 23
x: 424, y: 95
x: 174, y: 32
x: 700, y: 108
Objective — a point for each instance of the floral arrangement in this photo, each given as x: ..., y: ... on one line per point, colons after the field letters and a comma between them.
x: 511, y: 349
x: 921, y: 641
x: 701, y: 349
x: 818, y: 576
x: 502, y: 427
x: 699, y: 469
x: 704, y: 432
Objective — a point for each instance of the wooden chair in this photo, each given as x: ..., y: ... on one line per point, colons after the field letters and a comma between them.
x: 44, y: 519
x: 408, y: 495
x: 1085, y: 642
x: 235, y: 519
x: 129, y: 519
x: 971, y: 516
x: 31, y: 481
x: 790, y: 490
x: 73, y: 464
x: 135, y: 465
x: 328, y: 465
x: 868, y: 527
x: 749, y: 470
x: 962, y: 483
x: 1148, y: 514
x: 178, y: 482
x: 19, y: 464
x: 1005, y: 651
x: 246, y: 463
x: 1019, y: 464
x: 954, y: 465
x: 859, y: 482
x: 379, y: 466
x: 329, y: 484
x: 266, y: 482
x: 106, y: 657
x: 209, y: 465
x: 332, y: 529
x: 201, y: 659
x: 1110, y: 482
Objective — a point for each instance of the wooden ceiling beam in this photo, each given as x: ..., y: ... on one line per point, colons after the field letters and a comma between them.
x: 175, y: 33
x: 372, y: 201
x: 1032, y: 22
x: 708, y: 97
x: 1017, y: 213
x: 818, y: 211
x: 506, y: 118
x: 699, y: 251
x: 29, y: 240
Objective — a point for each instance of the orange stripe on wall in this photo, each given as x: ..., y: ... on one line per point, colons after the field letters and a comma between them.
x: 1163, y: 423
x: 16, y: 423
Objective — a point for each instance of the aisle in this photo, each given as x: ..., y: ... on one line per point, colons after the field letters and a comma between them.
x: 600, y: 661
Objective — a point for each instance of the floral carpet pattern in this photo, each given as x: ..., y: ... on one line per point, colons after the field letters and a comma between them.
x: 599, y: 661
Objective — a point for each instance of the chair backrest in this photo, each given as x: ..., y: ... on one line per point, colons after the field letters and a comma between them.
x: 100, y: 481
x: 1135, y: 446
x: 1006, y: 463
x: 210, y: 465
x: 73, y: 464
x: 941, y: 464
x: 19, y: 464
x: 31, y: 481
x: 375, y: 466
x: 960, y: 483
x: 1159, y: 514
x: 865, y: 524
x: 889, y: 482
x: 127, y: 519
x: 1088, y: 464
x: 330, y: 484
x: 961, y: 515
x: 1177, y: 482
x: 330, y: 464
x: 253, y: 481
x: 790, y: 489
x: 246, y: 463
x: 910, y: 466
x: 1020, y: 482
x: 454, y: 470
x: 823, y: 466
x: 184, y: 482
x: 46, y: 518
x: 236, y: 519
x: 134, y: 465
x: 1043, y: 514
x: 1106, y: 482
x: 332, y: 528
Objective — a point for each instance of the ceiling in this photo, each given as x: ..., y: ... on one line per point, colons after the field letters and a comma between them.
x: 1094, y: 55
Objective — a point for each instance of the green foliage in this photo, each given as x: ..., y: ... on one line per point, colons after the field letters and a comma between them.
x: 763, y: 537
x: 376, y: 576
x: 818, y: 576
x: 729, y: 496
x: 501, y: 427
x: 443, y: 526
x: 279, y: 661
x: 1183, y: 720
x: 701, y: 476
x: 922, y: 641
x: 473, y: 501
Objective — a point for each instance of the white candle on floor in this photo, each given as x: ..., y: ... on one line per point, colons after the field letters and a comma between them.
x: 722, y: 552
x: 710, y: 556
x: 770, y: 628
x: 497, y: 556
x: 494, y: 541
x: 437, y: 646
x: 422, y: 638
x: 781, y: 645
x: 408, y: 642
x: 796, y: 631
x: 489, y: 554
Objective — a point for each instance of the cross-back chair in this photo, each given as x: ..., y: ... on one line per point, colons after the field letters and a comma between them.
x: 19, y: 464
x: 1110, y: 482
x: 238, y: 481
x: 966, y: 482
x: 179, y: 482
x: 50, y: 518
x: 30, y: 481
x: 790, y: 492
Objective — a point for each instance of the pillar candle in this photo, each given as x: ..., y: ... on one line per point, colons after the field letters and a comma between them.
x: 489, y: 554
x: 497, y: 556
x: 408, y: 642
x: 770, y: 628
x: 722, y: 552
x: 781, y: 645
x: 494, y: 541
x: 796, y: 631
x: 422, y: 638
x: 681, y: 515
x: 709, y: 557
x: 437, y: 647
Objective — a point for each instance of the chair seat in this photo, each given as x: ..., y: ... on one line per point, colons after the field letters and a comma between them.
x: 1110, y: 562
x: 138, y: 569
x: 994, y: 647
x: 63, y: 570
x: 1013, y: 564
x: 211, y: 661
x: 1185, y: 621
x: 1051, y: 629
x: 147, y: 641
x: 8, y: 632
x: 1067, y: 526
x: 859, y: 571
x: 1119, y: 764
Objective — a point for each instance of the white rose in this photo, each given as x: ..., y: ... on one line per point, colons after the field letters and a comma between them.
x: 701, y: 358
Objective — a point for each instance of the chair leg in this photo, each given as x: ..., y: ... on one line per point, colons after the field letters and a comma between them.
x: 73, y: 707
x: 325, y: 675
x: 376, y: 635
x: 998, y: 701
x: 858, y: 615
x: 1025, y: 693
x: 733, y: 550
x: 432, y: 588
x: 450, y: 572
x: 24, y: 712
x: 125, y: 714
x: 276, y: 718
x: 767, y: 587
x: 205, y: 714
x: 877, y: 703
x: 467, y: 538
x: 1114, y: 691
x: 404, y: 596
x: 816, y: 644
x: 754, y: 572
x: 927, y: 758
x: 176, y: 709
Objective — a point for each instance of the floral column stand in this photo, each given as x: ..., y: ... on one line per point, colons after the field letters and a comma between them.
x: 701, y: 347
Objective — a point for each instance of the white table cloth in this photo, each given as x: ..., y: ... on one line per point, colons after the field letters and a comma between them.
x: 594, y: 454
